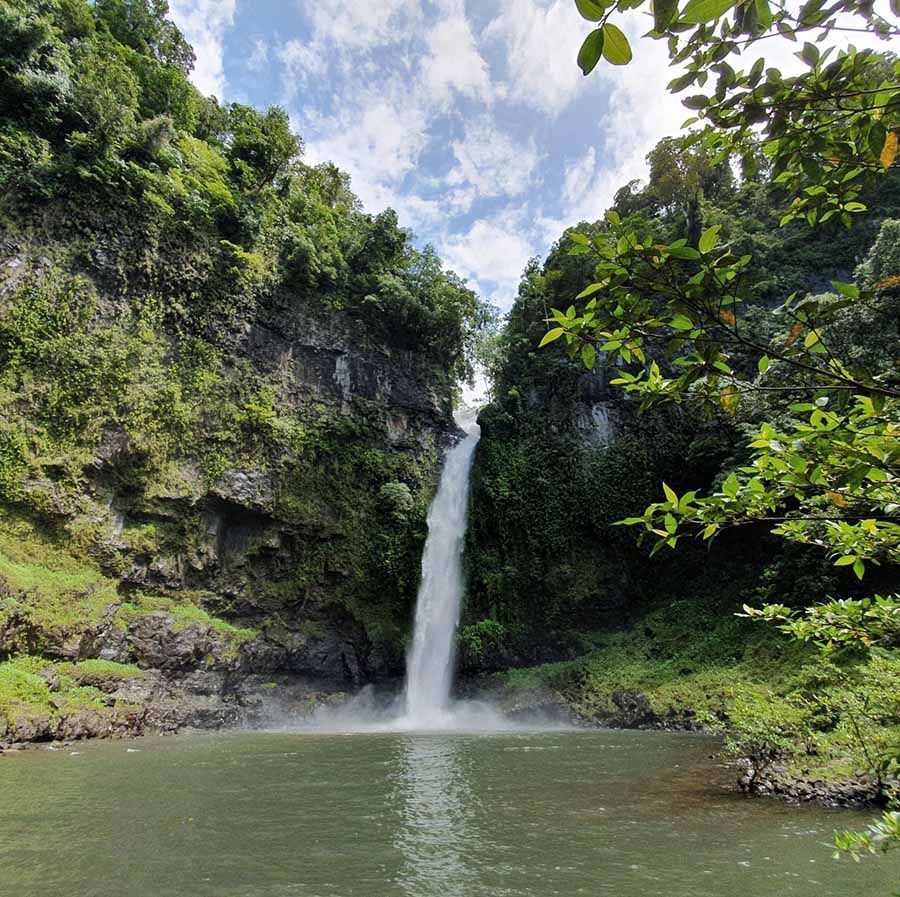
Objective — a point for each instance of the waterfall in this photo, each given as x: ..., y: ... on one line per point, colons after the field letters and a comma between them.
x: 429, y: 668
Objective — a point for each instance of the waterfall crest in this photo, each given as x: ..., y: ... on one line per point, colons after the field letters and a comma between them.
x: 430, y: 663
x: 425, y: 705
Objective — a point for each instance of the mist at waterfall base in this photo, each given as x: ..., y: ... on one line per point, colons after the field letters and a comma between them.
x: 425, y: 703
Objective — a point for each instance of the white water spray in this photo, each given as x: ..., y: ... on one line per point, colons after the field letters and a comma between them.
x: 425, y: 704
x: 429, y: 668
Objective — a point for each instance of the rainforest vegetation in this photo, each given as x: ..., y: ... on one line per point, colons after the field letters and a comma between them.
x: 744, y: 303
x: 225, y: 388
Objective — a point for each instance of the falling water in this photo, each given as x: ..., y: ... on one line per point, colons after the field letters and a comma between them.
x: 430, y: 663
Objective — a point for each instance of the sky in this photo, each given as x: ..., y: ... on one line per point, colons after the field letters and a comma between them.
x: 470, y: 119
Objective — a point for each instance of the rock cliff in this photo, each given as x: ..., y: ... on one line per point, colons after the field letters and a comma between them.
x: 252, y: 519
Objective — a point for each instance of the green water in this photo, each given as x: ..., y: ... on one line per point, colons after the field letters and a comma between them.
x: 287, y: 815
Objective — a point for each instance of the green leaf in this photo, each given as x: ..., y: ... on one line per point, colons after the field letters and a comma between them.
x: 846, y: 289
x: 670, y: 494
x: 590, y: 10
x: 729, y: 399
x: 764, y: 12
x: 763, y: 364
x: 612, y: 216
x: 591, y: 51
x: 809, y: 54
x: 697, y: 101
x: 709, y: 238
x: 681, y: 322
x: 588, y: 290
x: 551, y: 335
x: 684, y: 252
x: 859, y: 568
x: 731, y: 486
x: 699, y: 11
x: 663, y: 13
x: 588, y: 355
x: 616, y: 49
x: 845, y: 561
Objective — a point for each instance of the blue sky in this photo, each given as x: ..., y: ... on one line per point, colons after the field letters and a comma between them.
x: 471, y: 119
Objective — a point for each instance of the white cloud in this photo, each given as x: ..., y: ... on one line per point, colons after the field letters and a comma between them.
x: 460, y: 199
x: 204, y: 23
x: 491, y: 162
x: 299, y: 61
x: 377, y: 136
x: 453, y: 61
x: 540, y: 45
x: 493, y: 252
x: 259, y: 56
x: 578, y: 176
x: 362, y: 23
x: 639, y: 112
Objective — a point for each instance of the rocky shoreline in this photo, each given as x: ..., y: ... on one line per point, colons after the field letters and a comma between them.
x: 779, y: 783
x: 157, y: 702
x: 632, y: 711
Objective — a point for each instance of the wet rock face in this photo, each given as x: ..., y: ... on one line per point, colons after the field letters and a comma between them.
x: 324, y: 361
x: 634, y: 708
x: 260, y: 534
x: 153, y: 641
x: 245, y: 489
x: 157, y: 703
x: 861, y: 791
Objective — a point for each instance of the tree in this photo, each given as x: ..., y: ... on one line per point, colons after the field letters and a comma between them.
x: 670, y: 315
x: 261, y: 144
x: 681, y: 176
x: 143, y: 26
x: 826, y: 132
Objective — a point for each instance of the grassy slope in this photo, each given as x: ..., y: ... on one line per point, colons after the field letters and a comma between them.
x: 692, y: 663
x: 49, y: 600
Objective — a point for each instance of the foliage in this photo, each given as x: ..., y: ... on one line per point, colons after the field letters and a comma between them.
x: 671, y: 311
x: 826, y: 132
x: 882, y: 836
x: 561, y: 559
x: 763, y: 730
x: 478, y: 638
x: 843, y: 622
x: 829, y: 482
x: 97, y: 109
x: 26, y: 695
x: 178, y: 279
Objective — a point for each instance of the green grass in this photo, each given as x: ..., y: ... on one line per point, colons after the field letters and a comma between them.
x: 26, y: 694
x: 697, y: 664
x: 183, y: 614
x: 55, y: 590
x: 55, y: 597
x: 94, y: 671
x: 689, y: 660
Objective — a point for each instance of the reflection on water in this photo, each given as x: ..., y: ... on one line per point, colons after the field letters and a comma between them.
x: 435, y: 801
x: 516, y: 814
